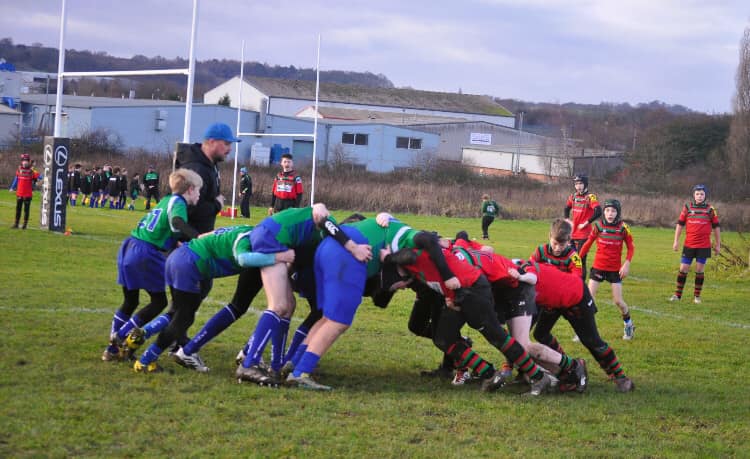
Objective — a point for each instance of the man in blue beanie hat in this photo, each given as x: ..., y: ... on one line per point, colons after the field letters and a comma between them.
x: 203, y: 159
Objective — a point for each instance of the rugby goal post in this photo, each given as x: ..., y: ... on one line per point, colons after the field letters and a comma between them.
x: 56, y: 152
x: 313, y: 135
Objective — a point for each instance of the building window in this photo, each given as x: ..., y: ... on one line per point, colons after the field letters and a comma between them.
x: 354, y: 139
x: 409, y: 142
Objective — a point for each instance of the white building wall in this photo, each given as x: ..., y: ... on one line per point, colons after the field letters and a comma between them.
x: 547, y: 165
x: 251, y: 97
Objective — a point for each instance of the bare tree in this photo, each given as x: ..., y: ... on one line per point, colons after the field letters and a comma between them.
x: 738, y: 143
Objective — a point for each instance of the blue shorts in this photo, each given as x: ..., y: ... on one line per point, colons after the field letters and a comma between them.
x: 701, y: 255
x: 263, y: 237
x: 182, y: 271
x: 140, y: 265
x: 340, y: 278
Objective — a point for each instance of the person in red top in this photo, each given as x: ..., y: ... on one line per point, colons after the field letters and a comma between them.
x: 610, y: 233
x: 26, y: 176
x: 287, y: 187
x: 581, y: 209
x: 516, y: 306
x: 558, y: 251
x: 472, y: 304
x: 564, y: 294
x: 699, y: 219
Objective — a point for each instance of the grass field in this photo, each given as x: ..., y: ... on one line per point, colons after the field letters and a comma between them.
x: 58, y: 399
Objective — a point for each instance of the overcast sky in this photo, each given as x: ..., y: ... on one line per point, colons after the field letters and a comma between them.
x: 587, y: 51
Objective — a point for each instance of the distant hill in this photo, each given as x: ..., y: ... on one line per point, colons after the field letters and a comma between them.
x: 604, y: 126
x: 209, y: 73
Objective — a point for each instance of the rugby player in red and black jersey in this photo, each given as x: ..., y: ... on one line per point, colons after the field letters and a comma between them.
x: 287, y: 187
x: 581, y: 210
x: 699, y: 219
x: 564, y: 294
x: 515, y: 304
x: 610, y: 234
x: 472, y: 304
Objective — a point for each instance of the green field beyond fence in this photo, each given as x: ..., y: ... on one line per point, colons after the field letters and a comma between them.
x: 58, y: 399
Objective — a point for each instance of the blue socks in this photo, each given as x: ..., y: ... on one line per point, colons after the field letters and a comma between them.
x: 151, y: 355
x: 278, y: 344
x: 267, y: 324
x: 156, y: 325
x: 297, y: 339
x: 122, y: 333
x: 307, y: 364
x: 215, y: 325
x: 118, y: 320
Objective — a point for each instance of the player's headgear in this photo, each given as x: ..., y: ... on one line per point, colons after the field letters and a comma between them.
x: 25, y: 157
x: 243, y: 170
x: 700, y: 187
x: 462, y: 235
x: 583, y: 179
x: 615, y: 204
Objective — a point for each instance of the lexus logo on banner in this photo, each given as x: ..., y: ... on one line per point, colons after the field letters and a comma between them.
x: 54, y: 186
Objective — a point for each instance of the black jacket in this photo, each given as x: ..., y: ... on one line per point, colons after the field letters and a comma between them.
x: 202, y: 216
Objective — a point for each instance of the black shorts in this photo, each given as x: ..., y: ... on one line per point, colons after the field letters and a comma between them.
x: 613, y: 277
x: 690, y: 253
x: 514, y: 302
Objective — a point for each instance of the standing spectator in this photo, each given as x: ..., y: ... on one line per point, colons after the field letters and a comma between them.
x: 123, y: 195
x: 113, y: 187
x: 246, y: 190
x: 581, y: 209
x: 106, y: 174
x: 287, y: 186
x: 74, y: 183
x: 96, y: 187
x: 203, y: 159
x: 25, y: 178
x: 699, y: 219
x: 151, y: 184
x: 86, y: 184
x: 490, y: 211
x: 135, y: 189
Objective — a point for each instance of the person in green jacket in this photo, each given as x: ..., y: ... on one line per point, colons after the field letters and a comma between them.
x: 490, y: 211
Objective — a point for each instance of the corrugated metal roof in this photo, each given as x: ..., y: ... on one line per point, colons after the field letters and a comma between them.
x: 387, y: 97
x: 92, y: 102
x: 372, y: 116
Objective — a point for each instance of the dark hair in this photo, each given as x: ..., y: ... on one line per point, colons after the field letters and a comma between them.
x: 353, y: 218
x: 560, y: 230
x: 287, y: 155
x: 462, y: 235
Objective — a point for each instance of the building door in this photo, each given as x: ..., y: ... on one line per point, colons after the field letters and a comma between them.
x: 302, y: 150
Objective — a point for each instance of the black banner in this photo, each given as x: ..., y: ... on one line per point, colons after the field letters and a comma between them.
x: 54, y: 185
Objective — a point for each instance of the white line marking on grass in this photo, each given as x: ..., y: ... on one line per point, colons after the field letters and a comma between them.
x: 79, y: 310
x: 681, y: 317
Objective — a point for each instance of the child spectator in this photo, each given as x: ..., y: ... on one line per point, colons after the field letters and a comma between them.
x: 610, y: 233
x: 135, y: 188
x: 25, y: 178
x: 699, y: 219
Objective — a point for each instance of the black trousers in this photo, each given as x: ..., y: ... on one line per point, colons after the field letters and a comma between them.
x: 245, y: 206
x: 486, y: 222
x: 25, y: 203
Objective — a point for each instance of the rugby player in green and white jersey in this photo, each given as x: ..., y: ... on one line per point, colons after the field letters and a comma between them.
x: 190, y: 271
x: 142, y: 256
